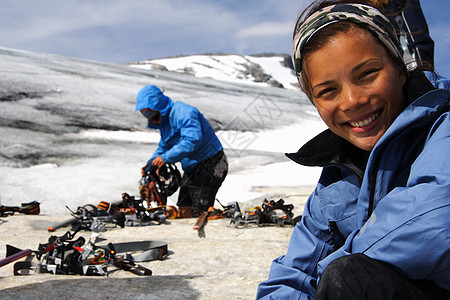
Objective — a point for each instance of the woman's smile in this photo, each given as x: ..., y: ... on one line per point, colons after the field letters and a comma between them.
x: 365, y: 122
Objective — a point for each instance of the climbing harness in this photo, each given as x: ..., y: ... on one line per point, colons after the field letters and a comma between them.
x: 30, y: 208
x: 158, y: 184
x: 67, y: 255
x: 270, y: 212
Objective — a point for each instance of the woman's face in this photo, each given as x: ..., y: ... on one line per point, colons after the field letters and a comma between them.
x: 356, y: 87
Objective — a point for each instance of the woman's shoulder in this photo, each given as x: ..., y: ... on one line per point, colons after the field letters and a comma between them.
x: 439, y: 81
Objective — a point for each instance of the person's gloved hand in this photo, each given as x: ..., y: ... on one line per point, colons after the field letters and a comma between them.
x: 158, y: 162
x: 145, y: 169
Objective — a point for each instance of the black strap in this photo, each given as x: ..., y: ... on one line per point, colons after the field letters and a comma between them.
x: 30, y: 208
x: 149, y: 250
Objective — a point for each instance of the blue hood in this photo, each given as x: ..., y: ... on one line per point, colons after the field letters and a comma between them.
x: 152, y: 97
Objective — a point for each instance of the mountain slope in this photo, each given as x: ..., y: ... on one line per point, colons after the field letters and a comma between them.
x: 69, y: 133
x: 261, y: 70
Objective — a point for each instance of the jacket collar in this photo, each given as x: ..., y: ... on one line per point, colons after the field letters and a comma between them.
x: 329, y: 149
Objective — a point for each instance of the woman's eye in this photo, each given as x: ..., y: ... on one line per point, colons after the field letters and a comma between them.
x: 367, y: 73
x: 324, y: 92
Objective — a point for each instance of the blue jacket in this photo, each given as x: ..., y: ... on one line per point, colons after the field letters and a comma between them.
x: 186, y: 135
x: 392, y: 204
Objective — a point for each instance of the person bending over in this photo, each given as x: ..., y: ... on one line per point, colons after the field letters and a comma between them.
x: 186, y: 137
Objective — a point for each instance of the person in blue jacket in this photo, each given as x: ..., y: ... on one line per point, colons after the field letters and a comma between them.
x: 186, y: 137
x: 377, y: 224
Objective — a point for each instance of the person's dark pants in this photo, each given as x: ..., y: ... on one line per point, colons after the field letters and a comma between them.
x: 199, y: 188
x: 359, y: 277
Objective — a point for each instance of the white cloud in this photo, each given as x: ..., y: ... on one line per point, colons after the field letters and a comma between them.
x: 266, y: 29
x: 440, y: 34
x: 111, y: 30
x: 57, y: 17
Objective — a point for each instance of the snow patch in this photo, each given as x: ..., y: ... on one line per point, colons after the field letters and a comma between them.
x: 231, y: 68
x: 121, y: 135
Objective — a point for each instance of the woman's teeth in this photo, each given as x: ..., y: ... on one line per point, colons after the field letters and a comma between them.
x: 366, y: 121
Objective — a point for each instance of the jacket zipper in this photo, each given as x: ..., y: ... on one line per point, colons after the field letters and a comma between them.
x: 336, y: 232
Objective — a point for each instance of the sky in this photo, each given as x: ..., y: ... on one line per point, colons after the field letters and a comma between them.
x: 121, y: 31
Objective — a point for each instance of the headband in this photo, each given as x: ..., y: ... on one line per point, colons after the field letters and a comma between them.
x: 363, y: 15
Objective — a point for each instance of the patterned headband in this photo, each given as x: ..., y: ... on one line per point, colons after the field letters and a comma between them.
x: 363, y: 15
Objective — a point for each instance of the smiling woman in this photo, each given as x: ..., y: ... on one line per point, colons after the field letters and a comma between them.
x: 359, y: 95
x: 376, y: 226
